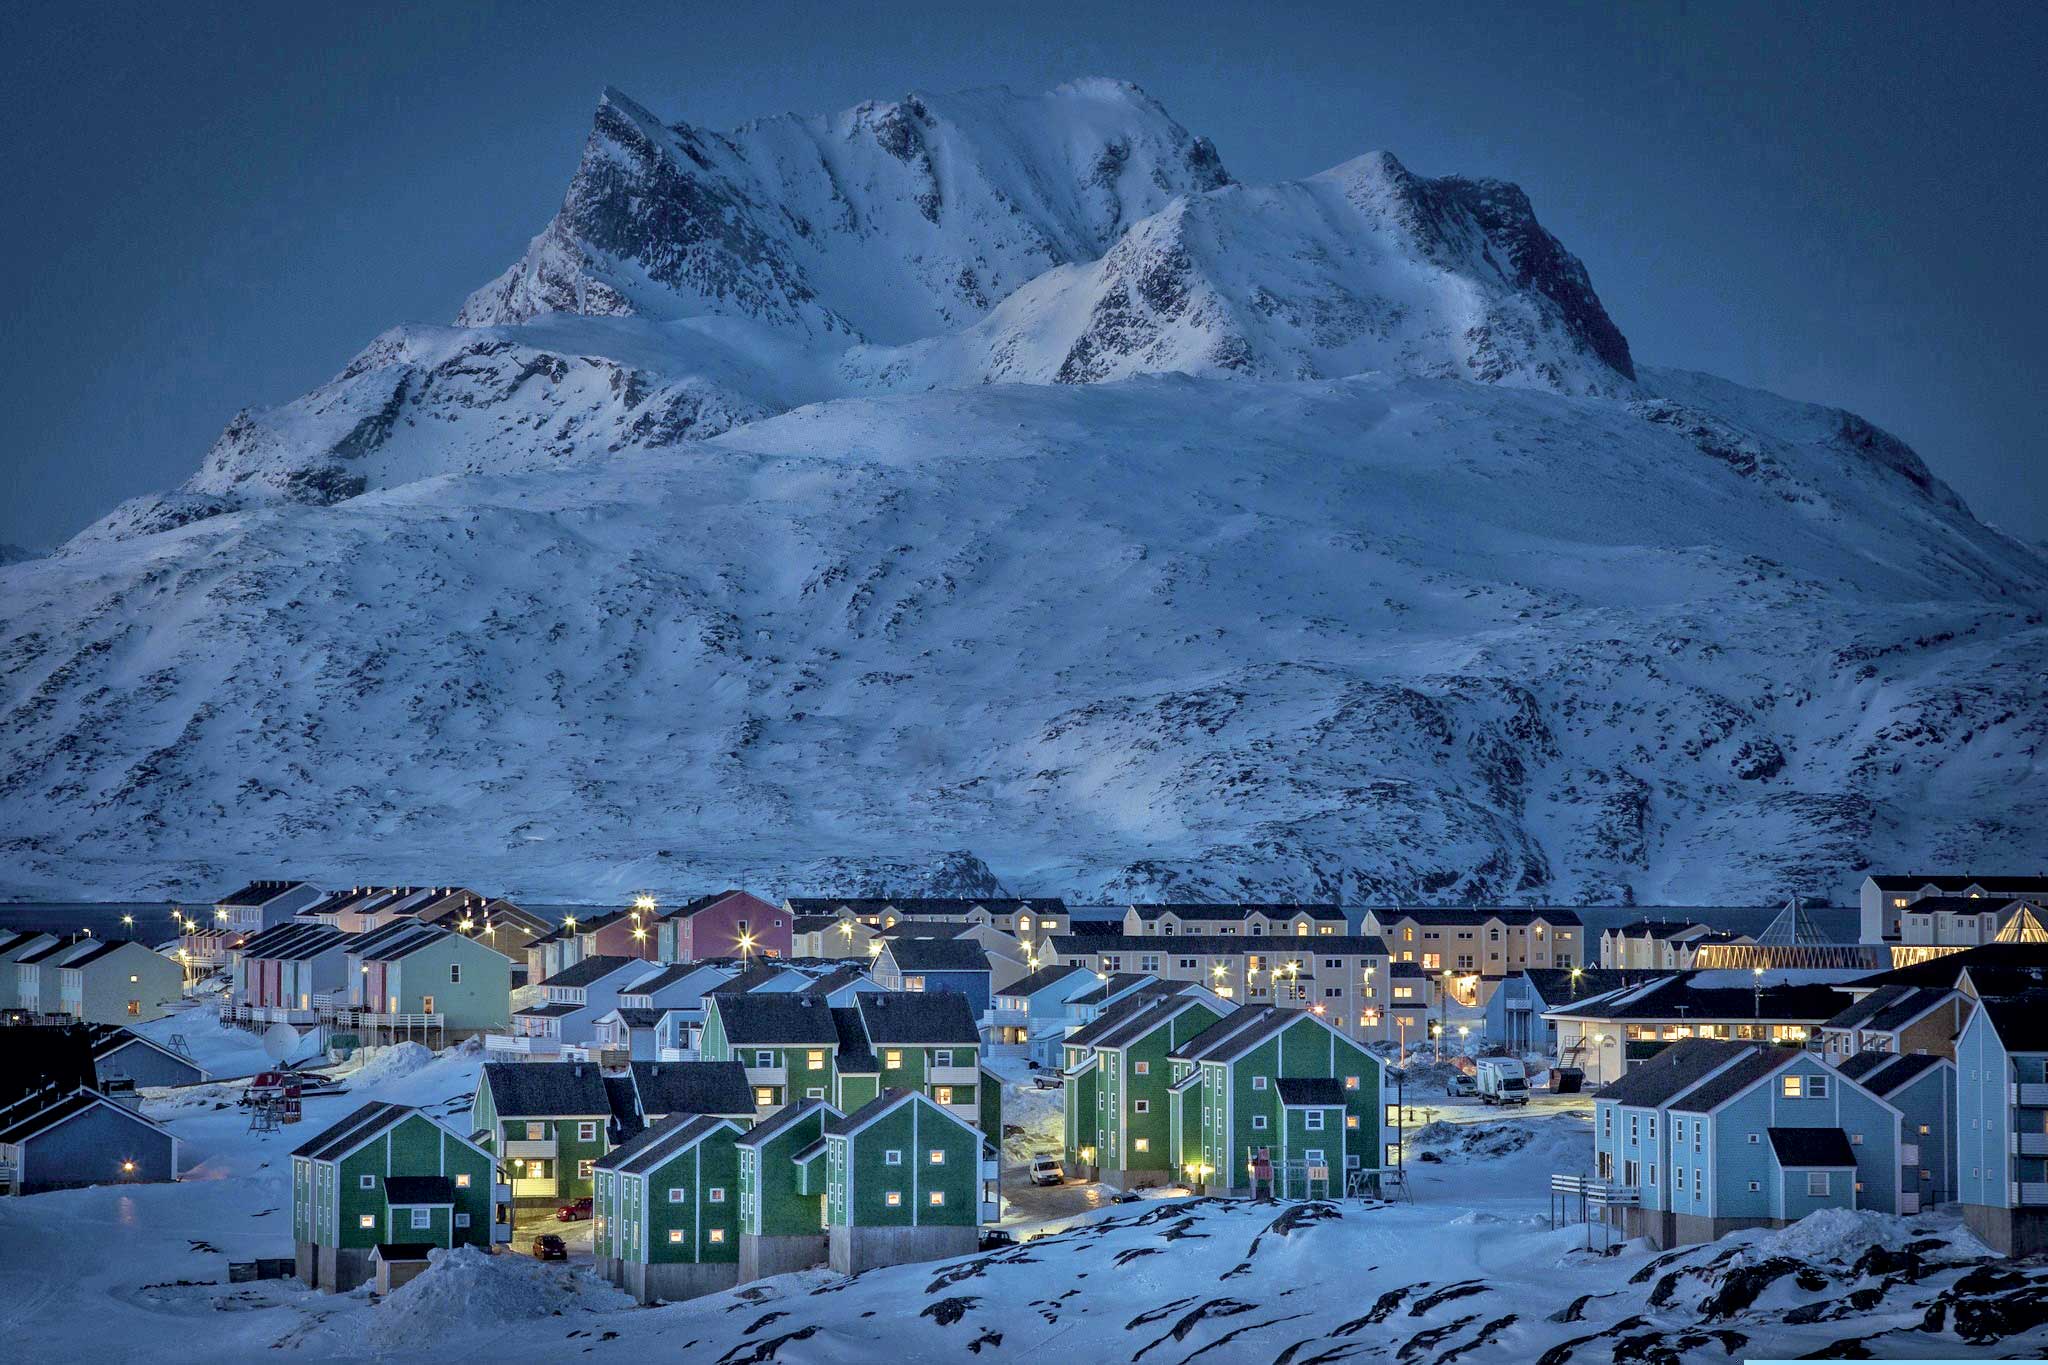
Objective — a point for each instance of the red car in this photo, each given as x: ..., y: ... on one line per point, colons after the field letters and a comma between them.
x: 575, y: 1211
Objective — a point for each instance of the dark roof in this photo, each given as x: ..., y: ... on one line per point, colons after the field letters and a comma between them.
x: 1269, y: 910
x: 1040, y: 979
x: 917, y: 1017
x: 258, y: 892
x: 1947, y: 969
x: 699, y: 903
x: 693, y: 1088
x: 1309, y: 1091
x: 360, y: 1123
x: 1244, y: 1027
x: 402, y: 936
x: 1989, y: 980
x: 592, y: 969
x: 62, y: 945
x: 1761, y: 1061
x: 923, y: 905
x: 1857, y: 1013
x: 881, y: 1104
x: 1096, y: 928
x: 782, y: 1120
x: 1962, y: 905
x: 1472, y: 915
x: 1274, y: 945
x: 104, y: 947
x: 633, y: 1016
x: 658, y: 1144
x: 1120, y: 1012
x: 1798, y: 1148
x: 668, y: 976
x: 418, y: 1189
x: 1892, y: 1071
x: 837, y: 979
x: 1906, y: 1009
x: 854, y: 1055
x: 2020, y: 1020
x: 547, y: 1089
x: 1656, y: 928
x: 1673, y: 1071
x: 1557, y: 986
x: 1111, y: 989
x: 1676, y: 997
x: 938, y: 955
x: 1861, y: 1064
x: 10, y: 942
x: 2011, y: 886
x: 750, y: 979
x: 775, y: 1017
x: 811, y: 924
x: 553, y: 1010
x: 295, y: 942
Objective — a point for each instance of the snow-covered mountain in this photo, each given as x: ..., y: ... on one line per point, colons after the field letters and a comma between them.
x: 986, y: 490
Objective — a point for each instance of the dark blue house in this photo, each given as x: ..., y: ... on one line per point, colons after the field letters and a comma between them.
x: 936, y: 964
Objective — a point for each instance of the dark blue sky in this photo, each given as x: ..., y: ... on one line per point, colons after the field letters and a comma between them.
x: 213, y: 208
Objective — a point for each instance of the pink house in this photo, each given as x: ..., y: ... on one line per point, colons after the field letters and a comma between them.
x: 623, y: 933
x: 725, y: 924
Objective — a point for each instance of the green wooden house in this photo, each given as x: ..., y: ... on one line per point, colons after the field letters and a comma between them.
x: 797, y: 1047
x: 1119, y: 1127
x: 782, y: 1204
x: 1282, y: 1085
x: 902, y: 1182
x: 547, y: 1123
x: 666, y: 1210
x: 389, y: 1175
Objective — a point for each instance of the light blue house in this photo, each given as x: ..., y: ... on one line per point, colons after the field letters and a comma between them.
x: 1922, y: 1087
x: 1713, y: 1136
x: 1515, y: 1012
x: 2002, y: 1122
x: 1033, y: 1014
x: 937, y: 964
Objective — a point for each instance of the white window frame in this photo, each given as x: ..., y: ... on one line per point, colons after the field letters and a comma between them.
x: 1258, y: 1082
x: 422, y: 1218
x: 1259, y: 1122
x: 937, y: 1156
x: 586, y: 1130
x: 1819, y: 1184
x: 676, y: 1194
x: 892, y: 1156
x: 1313, y: 1121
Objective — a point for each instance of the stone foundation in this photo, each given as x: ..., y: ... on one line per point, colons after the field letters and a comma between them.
x: 2012, y: 1232
x: 853, y: 1250
x: 675, y: 1282
x: 762, y: 1256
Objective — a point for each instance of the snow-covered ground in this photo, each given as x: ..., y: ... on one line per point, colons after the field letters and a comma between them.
x: 1468, y: 1270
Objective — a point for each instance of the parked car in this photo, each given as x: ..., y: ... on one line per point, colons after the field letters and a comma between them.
x: 1052, y: 1082
x: 1128, y: 1197
x: 549, y: 1247
x: 995, y: 1239
x: 1046, y: 1170
x: 576, y: 1210
x: 1461, y: 1086
x: 1502, y: 1080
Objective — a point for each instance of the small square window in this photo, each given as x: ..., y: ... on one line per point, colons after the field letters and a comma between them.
x: 815, y: 1059
x: 717, y: 1194
x: 535, y: 1132
x: 764, y: 1058
x: 422, y: 1218
x: 1258, y: 1121
x: 893, y: 1199
x: 676, y: 1194
x: 583, y: 1168
x: 1754, y: 1187
x: 462, y: 1180
x: 366, y: 1182
x: 462, y: 1220
x: 1794, y: 1087
x: 1313, y: 1120
x: 892, y: 1157
x: 815, y: 1092
x: 1142, y: 1144
x: 1258, y: 1082
x: 1351, y: 1121
x: 1351, y: 1082
x: 717, y: 1236
x: 938, y: 1155
x: 675, y: 1236
x: 1142, y: 1068
x: 892, y: 1059
x: 586, y: 1131
x: 1142, y: 1106
x: 938, y: 1199
x: 367, y: 1220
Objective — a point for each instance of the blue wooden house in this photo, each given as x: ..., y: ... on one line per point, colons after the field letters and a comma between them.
x: 2002, y: 1122
x: 1032, y: 1014
x: 1711, y: 1136
x: 1922, y: 1087
x: 937, y: 964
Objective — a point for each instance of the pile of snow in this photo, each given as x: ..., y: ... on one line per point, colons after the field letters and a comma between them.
x: 1039, y: 1118
x: 396, y: 1062
x: 1843, y: 1235
x: 465, y: 1291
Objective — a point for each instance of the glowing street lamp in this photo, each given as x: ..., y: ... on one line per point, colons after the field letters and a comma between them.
x: 127, y: 921
x: 221, y: 914
x: 644, y: 904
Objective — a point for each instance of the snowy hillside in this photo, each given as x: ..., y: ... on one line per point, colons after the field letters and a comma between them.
x: 1319, y: 540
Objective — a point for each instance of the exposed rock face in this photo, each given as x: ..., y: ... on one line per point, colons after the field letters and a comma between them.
x: 1325, y: 542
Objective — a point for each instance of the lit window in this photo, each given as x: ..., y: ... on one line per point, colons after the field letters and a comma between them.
x: 892, y: 1059
x: 938, y: 1156
x: 1351, y: 1120
x: 815, y: 1059
x: 763, y: 1097
x: 366, y: 1220
x: 536, y: 1131
x: 943, y: 1094
x: 675, y: 1236
x: 893, y: 1199
x: 1142, y: 1144
x: 717, y: 1236
x: 1794, y: 1086
x: 938, y: 1199
x: 1142, y: 1068
x: 1351, y: 1082
x: 462, y: 1181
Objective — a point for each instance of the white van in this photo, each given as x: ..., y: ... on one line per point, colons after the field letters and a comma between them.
x: 1502, y: 1080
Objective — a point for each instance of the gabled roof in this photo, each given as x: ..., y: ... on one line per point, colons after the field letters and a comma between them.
x: 837, y: 979
x: 1914, y: 1005
x: 782, y: 1120
x: 662, y: 1143
x: 110, y: 1040
x: 937, y: 955
x: 1309, y: 1092
x: 1228, y: 945
x: 1996, y: 885
x: 1236, y: 1033
x: 945, y: 906
x: 888, y: 1102
x: 547, y: 1089
x: 663, y: 977
x: 14, y: 943
x: 591, y: 970
x: 1882, y: 1073
x: 400, y: 938
x: 1947, y: 969
x: 418, y: 1189
x: 1556, y: 986
x: 25, y: 1121
x: 1673, y: 1071
x: 776, y: 1018
x: 52, y: 955
x: 752, y: 979
x: 1658, y: 928
x: 1475, y: 915
x: 1116, y: 1014
x: 1042, y: 978
x: 1676, y: 997
x: 1267, y: 910
x: 347, y: 1135
x: 917, y: 1017
x: 1812, y: 1148
x: 1859, y: 1013
x: 295, y: 942
x: 1118, y: 984
x: 260, y: 892
x: 693, y: 1088
x: 703, y: 903
x: 105, y: 947
x: 1761, y: 1062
